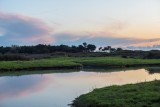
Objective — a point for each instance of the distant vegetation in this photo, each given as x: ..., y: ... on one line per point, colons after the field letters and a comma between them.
x: 44, y: 49
x: 137, y: 95
x: 84, y: 50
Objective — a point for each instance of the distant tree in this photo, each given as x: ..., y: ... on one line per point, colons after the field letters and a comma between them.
x: 100, y: 48
x: 81, y: 48
x: 112, y: 50
x: 107, y: 48
x: 2, y: 50
x: 40, y: 49
x: 91, y: 47
x: 85, y: 45
x: 74, y: 49
x: 119, y: 49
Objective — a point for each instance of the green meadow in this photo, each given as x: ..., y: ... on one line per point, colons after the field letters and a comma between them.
x: 76, y: 62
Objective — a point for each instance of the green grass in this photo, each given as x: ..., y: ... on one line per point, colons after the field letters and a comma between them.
x: 43, y: 63
x: 66, y: 62
x: 104, y: 61
x: 132, y: 95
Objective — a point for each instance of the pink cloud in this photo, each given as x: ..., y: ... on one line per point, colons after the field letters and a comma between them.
x: 25, y: 29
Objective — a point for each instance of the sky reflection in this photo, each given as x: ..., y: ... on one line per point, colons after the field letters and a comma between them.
x: 59, y: 89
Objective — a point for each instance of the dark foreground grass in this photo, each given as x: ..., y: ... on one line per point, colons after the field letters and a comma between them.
x: 75, y: 62
x: 137, y: 95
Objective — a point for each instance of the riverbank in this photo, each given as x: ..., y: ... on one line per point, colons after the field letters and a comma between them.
x: 133, y: 95
x: 75, y: 63
x: 42, y: 64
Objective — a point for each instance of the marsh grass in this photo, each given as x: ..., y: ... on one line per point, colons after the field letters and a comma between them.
x: 76, y: 62
x: 42, y: 63
x: 133, y: 95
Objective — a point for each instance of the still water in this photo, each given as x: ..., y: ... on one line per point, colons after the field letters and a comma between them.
x: 60, y: 89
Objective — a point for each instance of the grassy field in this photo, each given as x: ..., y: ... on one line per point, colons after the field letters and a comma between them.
x: 42, y: 63
x: 133, y: 95
x: 115, y: 61
x: 76, y: 62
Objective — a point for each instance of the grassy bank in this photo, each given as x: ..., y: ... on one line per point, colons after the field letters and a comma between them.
x: 115, y: 61
x: 137, y: 95
x: 54, y: 63
x: 75, y: 62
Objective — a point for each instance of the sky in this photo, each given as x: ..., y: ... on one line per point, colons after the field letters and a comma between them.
x: 72, y: 22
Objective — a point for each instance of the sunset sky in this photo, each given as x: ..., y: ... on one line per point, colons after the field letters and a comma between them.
x: 72, y: 22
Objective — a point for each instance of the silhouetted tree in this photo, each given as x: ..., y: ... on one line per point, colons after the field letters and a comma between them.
x: 81, y: 48
x: 112, y: 50
x: 91, y: 47
x: 119, y: 49
x: 107, y: 48
x: 85, y: 45
x: 100, y: 48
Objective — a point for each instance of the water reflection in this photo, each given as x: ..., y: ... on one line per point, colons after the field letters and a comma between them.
x: 59, y: 89
x: 22, y: 86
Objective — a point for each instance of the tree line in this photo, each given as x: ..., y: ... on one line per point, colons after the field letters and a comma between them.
x: 41, y: 49
x: 45, y: 49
